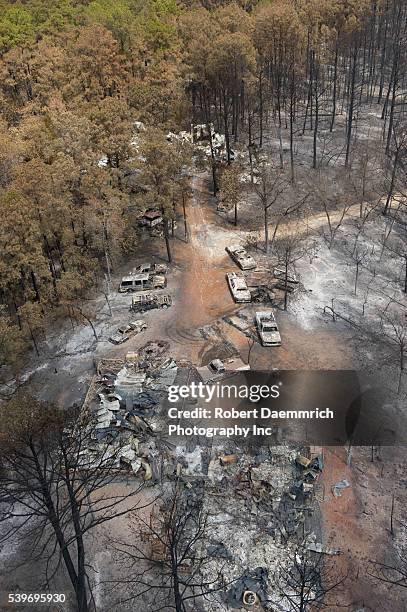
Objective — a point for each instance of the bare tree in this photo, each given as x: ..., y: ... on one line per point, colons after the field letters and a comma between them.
x: 293, y: 210
x: 270, y: 185
x: 359, y: 258
x: 166, y: 558
x: 308, y: 581
x: 394, y: 573
x: 367, y: 168
x: 335, y: 219
x: 397, y: 247
x: 366, y: 212
x: 394, y: 328
x: 288, y: 250
x: 335, y: 205
x: 400, y: 143
x: 53, y: 492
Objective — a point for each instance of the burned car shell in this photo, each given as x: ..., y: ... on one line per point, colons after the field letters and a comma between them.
x: 124, y: 333
x: 267, y: 328
x: 238, y: 287
x: 150, y: 301
x: 241, y: 257
x: 141, y: 282
x: 150, y: 268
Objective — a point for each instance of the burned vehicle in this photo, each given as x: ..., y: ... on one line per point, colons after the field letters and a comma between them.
x: 241, y: 257
x: 142, y: 282
x: 124, y: 333
x: 150, y: 301
x: 286, y: 281
x: 281, y: 274
x: 216, y: 365
x: 267, y: 328
x: 238, y: 287
x: 150, y: 268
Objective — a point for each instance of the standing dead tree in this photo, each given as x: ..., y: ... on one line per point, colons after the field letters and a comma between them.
x: 53, y: 491
x: 335, y: 205
x: 165, y: 559
x: 397, y: 247
x: 270, y: 185
x: 398, y: 168
x: 367, y: 211
x: 308, y: 582
x: 293, y: 210
x: 289, y: 250
x: 394, y: 328
x: 359, y: 258
x: 335, y: 219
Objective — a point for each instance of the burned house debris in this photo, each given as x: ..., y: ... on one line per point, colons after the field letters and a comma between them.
x: 205, y: 139
x: 270, y: 490
x: 123, y: 408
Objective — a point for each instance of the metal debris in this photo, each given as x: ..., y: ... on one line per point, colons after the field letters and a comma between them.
x: 319, y: 548
x: 339, y: 486
x: 254, y: 581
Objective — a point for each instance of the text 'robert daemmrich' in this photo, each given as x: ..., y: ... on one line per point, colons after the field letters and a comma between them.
x: 253, y: 413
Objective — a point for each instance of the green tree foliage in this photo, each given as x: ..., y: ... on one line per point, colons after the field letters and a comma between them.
x: 16, y: 27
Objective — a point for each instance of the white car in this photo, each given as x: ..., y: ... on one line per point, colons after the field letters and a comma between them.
x: 238, y: 287
x: 241, y: 257
x: 268, y: 329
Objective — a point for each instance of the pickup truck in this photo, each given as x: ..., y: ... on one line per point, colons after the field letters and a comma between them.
x: 142, y: 282
x: 241, y: 257
x: 267, y: 328
x: 238, y: 287
x: 150, y: 301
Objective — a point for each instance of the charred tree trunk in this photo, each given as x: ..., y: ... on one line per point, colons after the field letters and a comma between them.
x: 335, y: 86
x: 351, y: 104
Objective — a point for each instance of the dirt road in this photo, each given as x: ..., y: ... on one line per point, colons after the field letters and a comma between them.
x: 202, y: 263
x: 202, y: 298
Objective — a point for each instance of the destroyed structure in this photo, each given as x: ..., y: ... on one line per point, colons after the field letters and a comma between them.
x: 270, y: 491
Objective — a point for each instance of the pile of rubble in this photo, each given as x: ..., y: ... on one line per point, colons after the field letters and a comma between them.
x: 260, y: 506
x: 123, y: 416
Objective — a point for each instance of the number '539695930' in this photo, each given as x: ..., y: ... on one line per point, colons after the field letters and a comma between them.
x: 36, y: 597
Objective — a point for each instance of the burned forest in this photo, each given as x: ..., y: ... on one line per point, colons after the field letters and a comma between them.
x: 203, y: 305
